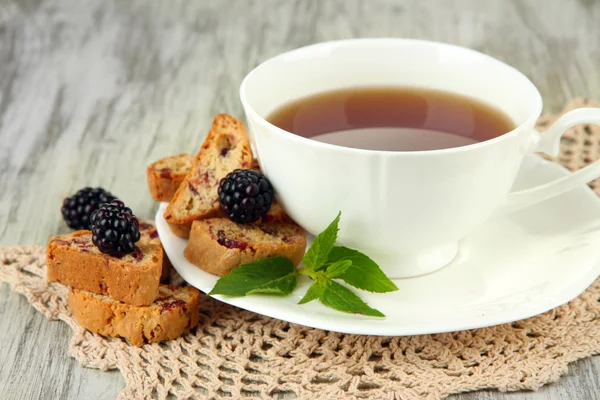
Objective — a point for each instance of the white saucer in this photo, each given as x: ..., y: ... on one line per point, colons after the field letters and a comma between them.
x: 511, y: 268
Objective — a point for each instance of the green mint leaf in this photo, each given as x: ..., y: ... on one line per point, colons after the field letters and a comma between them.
x: 275, y: 275
x: 341, y: 298
x: 337, y: 269
x: 314, y: 292
x: 317, y: 254
x: 364, y: 273
x: 282, y: 286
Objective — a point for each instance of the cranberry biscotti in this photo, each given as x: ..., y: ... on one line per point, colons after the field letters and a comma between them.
x: 225, y: 149
x: 165, y: 175
x: 218, y: 245
x: 74, y: 260
x: 173, y: 313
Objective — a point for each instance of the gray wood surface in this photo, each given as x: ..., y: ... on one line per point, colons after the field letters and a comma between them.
x: 92, y: 91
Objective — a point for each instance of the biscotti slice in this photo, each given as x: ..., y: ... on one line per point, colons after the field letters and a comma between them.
x: 165, y: 175
x: 225, y: 149
x: 74, y: 260
x: 172, y: 314
x: 149, y: 234
x: 218, y: 245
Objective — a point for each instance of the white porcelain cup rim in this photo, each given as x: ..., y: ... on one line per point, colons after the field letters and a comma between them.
x: 424, y: 243
x: 249, y: 109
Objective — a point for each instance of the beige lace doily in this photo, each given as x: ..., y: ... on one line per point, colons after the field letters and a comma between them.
x: 236, y: 353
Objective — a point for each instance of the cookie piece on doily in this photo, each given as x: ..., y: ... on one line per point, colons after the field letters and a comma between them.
x: 174, y: 312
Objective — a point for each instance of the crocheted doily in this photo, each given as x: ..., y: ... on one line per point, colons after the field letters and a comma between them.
x: 236, y: 353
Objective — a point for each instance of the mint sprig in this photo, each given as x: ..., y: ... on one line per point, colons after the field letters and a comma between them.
x: 324, y: 263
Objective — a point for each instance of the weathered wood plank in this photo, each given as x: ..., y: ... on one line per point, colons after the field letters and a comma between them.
x: 90, y: 92
x: 35, y: 362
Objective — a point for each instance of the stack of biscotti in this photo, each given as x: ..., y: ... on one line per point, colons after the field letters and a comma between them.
x: 127, y: 286
x: 216, y: 244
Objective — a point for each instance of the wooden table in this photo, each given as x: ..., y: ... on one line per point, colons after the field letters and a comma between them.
x: 92, y: 91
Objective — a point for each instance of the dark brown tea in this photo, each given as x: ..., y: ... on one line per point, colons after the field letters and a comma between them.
x: 392, y: 118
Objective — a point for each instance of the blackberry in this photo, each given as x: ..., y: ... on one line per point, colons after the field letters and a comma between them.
x: 245, y: 195
x: 77, y: 209
x: 115, y: 229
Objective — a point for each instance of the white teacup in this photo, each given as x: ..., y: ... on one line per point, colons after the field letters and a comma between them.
x: 407, y: 210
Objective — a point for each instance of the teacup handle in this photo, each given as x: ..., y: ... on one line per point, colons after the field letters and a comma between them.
x: 549, y: 143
